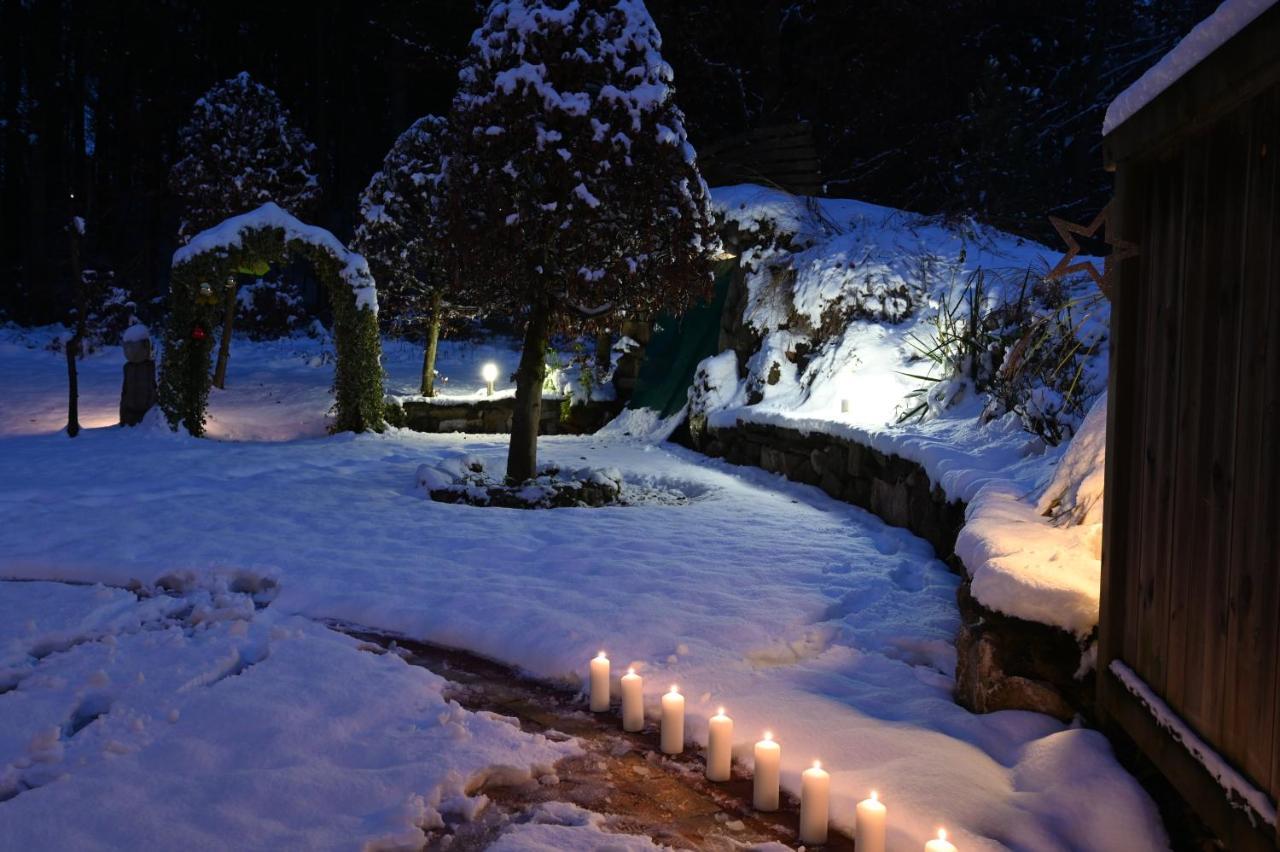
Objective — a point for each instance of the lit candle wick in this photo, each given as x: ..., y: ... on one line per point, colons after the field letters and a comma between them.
x: 768, y: 735
x: 942, y: 834
x: 874, y: 797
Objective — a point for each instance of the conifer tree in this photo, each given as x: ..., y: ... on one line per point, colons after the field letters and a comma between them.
x: 401, y: 230
x: 239, y: 150
x: 579, y: 191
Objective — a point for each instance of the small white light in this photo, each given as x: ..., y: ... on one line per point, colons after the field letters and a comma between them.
x: 489, y: 372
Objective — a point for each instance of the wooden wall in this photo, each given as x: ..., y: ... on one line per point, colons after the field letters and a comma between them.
x: 1191, y: 562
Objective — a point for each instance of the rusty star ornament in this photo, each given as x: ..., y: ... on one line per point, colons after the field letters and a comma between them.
x: 1087, y: 238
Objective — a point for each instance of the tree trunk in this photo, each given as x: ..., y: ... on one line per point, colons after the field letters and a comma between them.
x: 224, y: 347
x: 522, y: 457
x: 604, y: 352
x: 433, y: 341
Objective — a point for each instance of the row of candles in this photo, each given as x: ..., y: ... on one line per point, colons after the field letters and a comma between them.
x: 815, y: 783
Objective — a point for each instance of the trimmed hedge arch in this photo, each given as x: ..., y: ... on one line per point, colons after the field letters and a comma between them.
x: 249, y: 242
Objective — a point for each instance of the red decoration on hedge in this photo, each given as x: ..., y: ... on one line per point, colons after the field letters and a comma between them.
x: 198, y: 333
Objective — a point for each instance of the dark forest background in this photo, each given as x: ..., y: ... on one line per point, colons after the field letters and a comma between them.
x: 956, y: 107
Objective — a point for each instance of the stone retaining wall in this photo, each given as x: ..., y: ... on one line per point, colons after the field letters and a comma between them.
x: 493, y: 416
x: 1003, y: 663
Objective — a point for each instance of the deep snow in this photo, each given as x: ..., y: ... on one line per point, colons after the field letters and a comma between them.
x: 796, y: 612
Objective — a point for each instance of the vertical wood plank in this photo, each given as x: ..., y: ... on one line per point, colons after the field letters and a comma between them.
x: 1249, y: 695
x: 1162, y: 282
x: 1119, y: 573
x: 1205, y: 412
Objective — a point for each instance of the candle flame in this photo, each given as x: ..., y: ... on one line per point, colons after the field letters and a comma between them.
x: 675, y: 690
x: 768, y: 735
x: 942, y: 834
x: 631, y: 670
x: 601, y: 656
x: 874, y: 797
x: 817, y: 764
x: 720, y: 712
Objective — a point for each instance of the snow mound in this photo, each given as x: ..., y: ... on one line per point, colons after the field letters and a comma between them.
x: 228, y: 233
x: 1042, y: 561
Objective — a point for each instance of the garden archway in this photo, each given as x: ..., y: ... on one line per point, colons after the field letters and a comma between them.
x: 248, y: 242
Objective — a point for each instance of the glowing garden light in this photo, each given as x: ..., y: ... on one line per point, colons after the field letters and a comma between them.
x: 632, y: 701
x: 869, y: 825
x: 768, y: 756
x: 719, y: 747
x: 941, y: 844
x: 489, y: 372
x: 673, y: 722
x: 600, y: 683
x: 815, y: 804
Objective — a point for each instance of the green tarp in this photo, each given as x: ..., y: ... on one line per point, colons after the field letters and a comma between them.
x: 677, y: 345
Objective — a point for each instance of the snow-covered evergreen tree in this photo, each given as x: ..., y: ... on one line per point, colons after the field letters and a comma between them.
x: 238, y: 150
x: 401, y: 230
x: 582, y: 194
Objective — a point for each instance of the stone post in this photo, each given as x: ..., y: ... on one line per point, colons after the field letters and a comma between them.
x: 139, y: 391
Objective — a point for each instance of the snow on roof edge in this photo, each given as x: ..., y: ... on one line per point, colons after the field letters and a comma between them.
x: 1207, y: 36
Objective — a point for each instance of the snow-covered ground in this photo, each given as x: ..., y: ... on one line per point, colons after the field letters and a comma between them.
x: 796, y: 612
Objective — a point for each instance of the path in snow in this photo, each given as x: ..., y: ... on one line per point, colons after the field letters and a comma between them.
x: 796, y: 612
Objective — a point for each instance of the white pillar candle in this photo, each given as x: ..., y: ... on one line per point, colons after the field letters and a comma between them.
x: 719, y: 747
x: 815, y: 795
x: 600, y: 683
x: 673, y: 722
x: 941, y: 844
x: 869, y: 826
x: 768, y: 763
x: 632, y: 701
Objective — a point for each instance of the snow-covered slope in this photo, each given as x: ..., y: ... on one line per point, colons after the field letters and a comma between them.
x: 846, y: 307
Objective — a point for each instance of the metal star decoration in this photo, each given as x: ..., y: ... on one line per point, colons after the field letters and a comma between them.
x: 1085, y: 238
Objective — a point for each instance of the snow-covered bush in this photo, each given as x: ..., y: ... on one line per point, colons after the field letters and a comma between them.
x: 239, y: 149
x: 463, y: 479
x: 583, y: 195
x: 1032, y: 353
x: 110, y: 311
x: 402, y: 229
x: 270, y: 309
